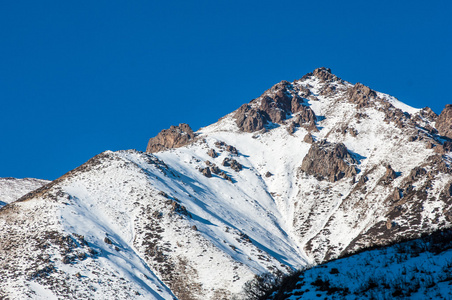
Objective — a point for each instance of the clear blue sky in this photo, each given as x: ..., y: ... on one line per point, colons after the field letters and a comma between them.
x: 81, y: 77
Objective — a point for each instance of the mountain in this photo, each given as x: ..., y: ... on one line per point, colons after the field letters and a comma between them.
x: 13, y: 188
x: 307, y: 172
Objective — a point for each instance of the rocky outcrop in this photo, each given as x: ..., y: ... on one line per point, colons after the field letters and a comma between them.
x: 223, y: 146
x: 361, y: 95
x: 444, y: 122
x: 230, y: 162
x: 275, y: 105
x: 308, y: 138
x: 389, y: 175
x: 446, y: 147
x: 206, y: 172
x: 324, y: 74
x: 174, y: 137
x: 212, y: 153
x: 328, y: 161
x: 249, y: 119
x: 428, y: 114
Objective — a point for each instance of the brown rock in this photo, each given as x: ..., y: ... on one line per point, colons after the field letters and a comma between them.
x: 362, y: 180
x: 397, y: 194
x: 389, y: 175
x: 268, y: 174
x: 274, y: 105
x: 444, y: 122
x: 291, y: 128
x: 220, y: 144
x: 446, y: 147
x: 361, y: 94
x: 416, y: 173
x: 249, y: 119
x: 308, y: 138
x: 328, y: 90
x: 214, y: 169
x: 324, y: 74
x: 329, y: 161
x: 174, y: 137
x: 206, y: 172
x: 212, y: 153
x: 428, y: 113
x: 235, y: 165
x: 232, y: 149
x: 448, y: 190
x: 431, y: 146
x: 305, y: 115
x: 225, y: 176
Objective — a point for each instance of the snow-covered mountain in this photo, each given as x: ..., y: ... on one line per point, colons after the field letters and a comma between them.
x: 12, y: 189
x: 305, y: 173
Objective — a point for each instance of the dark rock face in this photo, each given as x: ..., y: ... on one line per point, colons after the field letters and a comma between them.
x: 328, y: 161
x: 235, y: 165
x: 274, y: 105
x: 214, y: 169
x: 174, y: 137
x: 361, y: 94
x: 249, y: 119
x: 232, y: 149
x: 206, y: 172
x: 212, y: 153
x: 444, y: 122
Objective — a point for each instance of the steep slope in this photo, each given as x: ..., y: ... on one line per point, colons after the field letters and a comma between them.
x: 13, y: 188
x: 307, y: 172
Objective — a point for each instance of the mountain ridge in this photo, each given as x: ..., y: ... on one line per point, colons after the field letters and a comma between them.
x: 307, y: 172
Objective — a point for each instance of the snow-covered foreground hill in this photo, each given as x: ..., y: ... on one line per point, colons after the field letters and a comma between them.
x: 417, y: 269
x: 307, y: 172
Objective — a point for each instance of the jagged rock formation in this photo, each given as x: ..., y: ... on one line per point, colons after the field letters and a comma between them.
x: 444, y: 122
x: 329, y: 161
x: 174, y: 137
x: 361, y: 95
x: 309, y: 171
x: 275, y: 105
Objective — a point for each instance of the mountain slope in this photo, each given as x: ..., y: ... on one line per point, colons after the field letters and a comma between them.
x: 307, y: 172
x: 13, y: 188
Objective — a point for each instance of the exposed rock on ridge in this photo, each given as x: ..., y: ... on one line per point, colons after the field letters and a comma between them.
x: 361, y: 95
x: 174, y: 137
